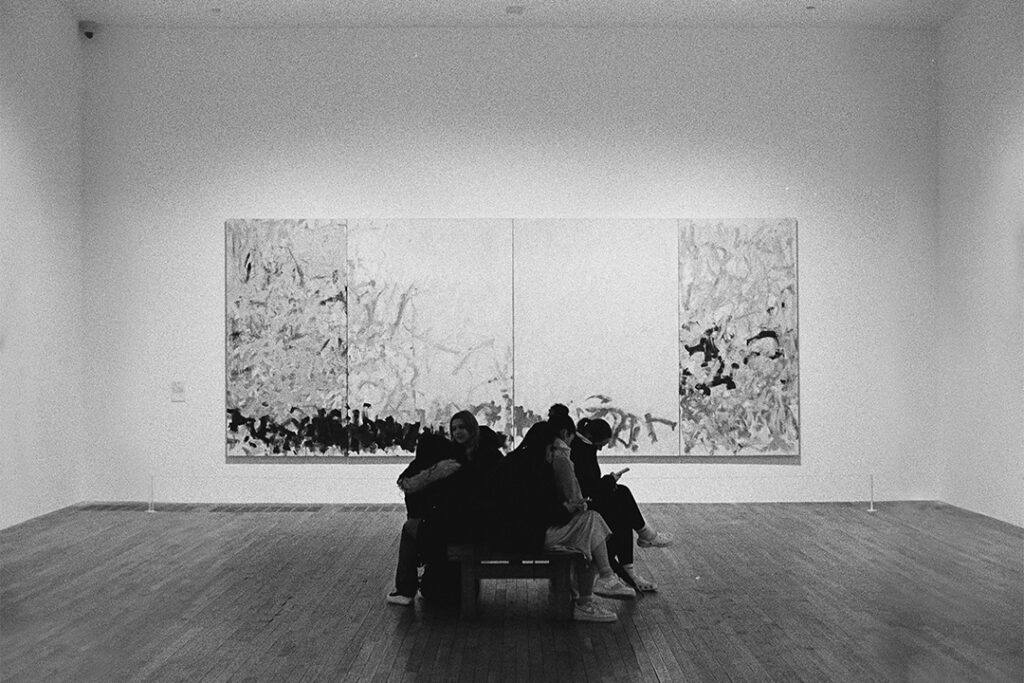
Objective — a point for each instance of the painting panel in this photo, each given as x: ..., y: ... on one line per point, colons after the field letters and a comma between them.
x: 430, y: 324
x: 595, y: 316
x: 738, y: 345
x: 286, y: 329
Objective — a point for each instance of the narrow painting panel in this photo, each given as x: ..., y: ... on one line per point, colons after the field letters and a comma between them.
x: 738, y: 347
x: 430, y: 325
x: 595, y: 316
x: 286, y: 337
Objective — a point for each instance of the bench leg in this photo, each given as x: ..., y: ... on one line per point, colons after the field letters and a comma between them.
x: 561, y: 595
x: 470, y: 587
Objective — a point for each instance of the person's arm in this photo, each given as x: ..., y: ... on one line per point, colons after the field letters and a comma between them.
x: 607, y: 484
x: 434, y: 473
x: 588, y: 473
x: 565, y: 481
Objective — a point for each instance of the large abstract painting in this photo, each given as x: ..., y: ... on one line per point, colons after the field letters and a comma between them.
x: 287, y: 339
x: 595, y: 311
x: 351, y: 338
x: 354, y: 337
x: 430, y: 321
x: 738, y: 350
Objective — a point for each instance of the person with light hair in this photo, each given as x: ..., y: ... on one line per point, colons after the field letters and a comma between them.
x: 446, y: 490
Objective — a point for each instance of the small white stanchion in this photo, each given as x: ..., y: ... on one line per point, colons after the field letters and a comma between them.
x: 871, y: 493
x: 151, y: 508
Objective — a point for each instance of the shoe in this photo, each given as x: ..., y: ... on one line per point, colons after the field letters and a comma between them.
x: 397, y: 598
x: 591, y: 611
x: 612, y: 586
x: 643, y: 585
x: 658, y: 540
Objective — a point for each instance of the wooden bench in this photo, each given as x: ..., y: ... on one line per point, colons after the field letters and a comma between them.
x: 480, y: 562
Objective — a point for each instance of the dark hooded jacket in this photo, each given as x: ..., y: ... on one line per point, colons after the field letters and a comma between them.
x: 457, y: 506
x: 588, y: 472
x: 526, y: 502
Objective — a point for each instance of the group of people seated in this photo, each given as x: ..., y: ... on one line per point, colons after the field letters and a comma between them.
x: 546, y: 494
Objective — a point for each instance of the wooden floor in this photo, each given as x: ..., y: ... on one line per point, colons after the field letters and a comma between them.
x: 772, y: 592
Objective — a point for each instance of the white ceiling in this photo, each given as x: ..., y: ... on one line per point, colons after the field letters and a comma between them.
x: 467, y: 13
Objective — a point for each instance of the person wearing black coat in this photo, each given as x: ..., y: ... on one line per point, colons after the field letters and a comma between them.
x: 526, y: 498
x: 539, y: 506
x: 614, y: 501
x: 447, y: 495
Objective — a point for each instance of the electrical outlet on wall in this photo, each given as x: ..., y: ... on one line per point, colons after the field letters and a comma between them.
x: 177, y: 392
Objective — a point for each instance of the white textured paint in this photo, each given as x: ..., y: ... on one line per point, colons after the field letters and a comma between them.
x: 596, y: 313
x: 836, y: 128
x: 41, y: 322
x: 981, y: 290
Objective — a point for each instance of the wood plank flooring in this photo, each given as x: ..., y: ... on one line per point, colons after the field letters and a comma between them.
x: 766, y: 592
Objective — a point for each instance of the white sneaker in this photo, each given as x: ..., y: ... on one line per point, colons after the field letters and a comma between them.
x: 397, y: 598
x: 612, y: 586
x: 643, y: 585
x: 659, y: 540
x: 591, y: 611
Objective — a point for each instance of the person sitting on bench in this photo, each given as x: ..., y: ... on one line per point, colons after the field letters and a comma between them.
x: 446, y: 489
x: 540, y: 506
x: 614, y: 501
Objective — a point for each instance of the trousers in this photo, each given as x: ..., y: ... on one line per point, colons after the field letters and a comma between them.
x: 406, y: 579
x: 623, y: 516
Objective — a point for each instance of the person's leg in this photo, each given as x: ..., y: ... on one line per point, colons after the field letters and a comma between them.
x: 647, y: 537
x: 620, y: 543
x: 640, y: 583
x: 601, y: 563
x: 620, y: 520
x: 440, y: 580
x: 586, y: 607
x: 621, y: 540
x: 408, y: 560
x: 614, y: 561
x: 626, y: 508
x: 585, y: 573
x: 607, y: 583
x: 628, y: 515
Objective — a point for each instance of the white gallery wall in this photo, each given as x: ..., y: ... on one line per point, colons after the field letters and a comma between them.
x: 186, y: 128
x: 840, y: 129
x: 42, y: 420
x: 981, y: 258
